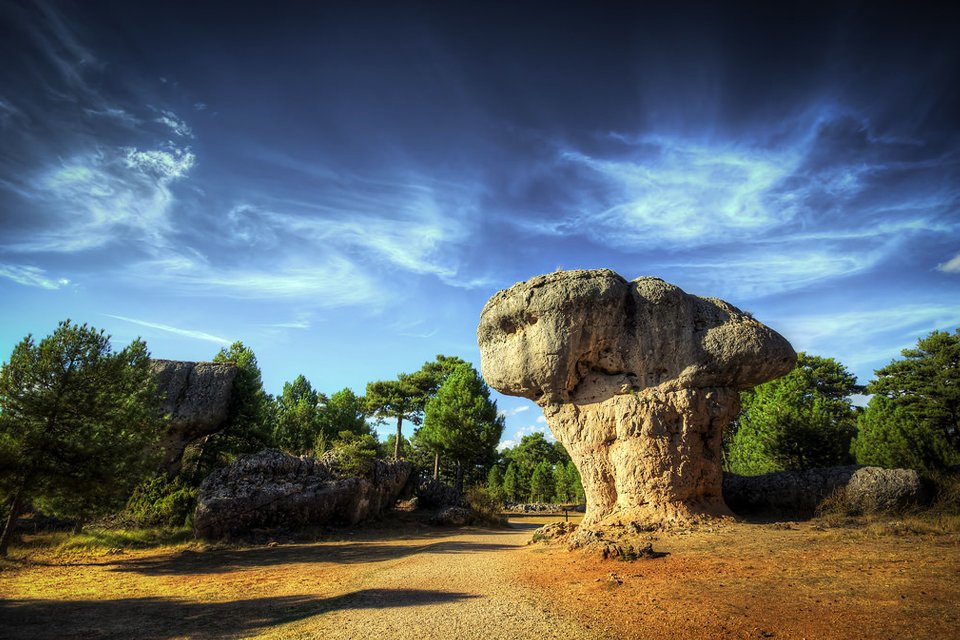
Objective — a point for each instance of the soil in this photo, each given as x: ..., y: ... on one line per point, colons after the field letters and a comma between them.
x: 405, y: 580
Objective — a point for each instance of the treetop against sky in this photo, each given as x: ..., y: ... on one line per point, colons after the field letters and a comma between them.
x: 343, y: 186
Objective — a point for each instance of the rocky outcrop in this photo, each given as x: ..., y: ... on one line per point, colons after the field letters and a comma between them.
x: 272, y: 489
x: 798, y: 493
x: 433, y: 493
x: 636, y: 379
x: 196, y: 399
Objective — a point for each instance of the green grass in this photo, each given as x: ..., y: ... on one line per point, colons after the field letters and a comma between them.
x: 95, y: 541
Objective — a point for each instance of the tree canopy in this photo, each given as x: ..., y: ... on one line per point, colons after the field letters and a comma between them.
x: 462, y: 420
x: 913, y: 418
x: 800, y: 421
x: 77, y: 423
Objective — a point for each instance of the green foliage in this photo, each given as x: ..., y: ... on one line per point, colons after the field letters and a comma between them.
x: 913, y: 418
x: 249, y: 427
x: 354, y: 454
x: 495, y: 484
x: 297, y: 422
x: 485, y: 505
x: 343, y: 411
x: 406, y: 397
x: 531, y: 451
x: 562, y: 484
x: 78, y: 422
x: 576, y: 485
x: 162, y: 503
x: 406, y: 449
x: 541, y: 483
x: 463, y: 419
x: 511, y: 485
x: 800, y: 421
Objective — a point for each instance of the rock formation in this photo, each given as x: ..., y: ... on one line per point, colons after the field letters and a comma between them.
x: 636, y: 379
x: 798, y: 493
x: 196, y: 399
x: 271, y: 489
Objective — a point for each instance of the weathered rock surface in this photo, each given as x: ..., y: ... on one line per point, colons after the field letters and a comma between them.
x: 196, y: 398
x: 798, y: 493
x: 433, y: 493
x: 272, y: 489
x: 636, y: 379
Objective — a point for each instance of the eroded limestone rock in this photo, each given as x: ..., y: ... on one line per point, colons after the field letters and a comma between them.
x: 798, y: 493
x: 272, y: 489
x: 196, y: 401
x: 636, y: 379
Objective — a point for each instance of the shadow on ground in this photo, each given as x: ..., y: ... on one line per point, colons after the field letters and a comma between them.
x: 224, y: 561
x: 166, y: 618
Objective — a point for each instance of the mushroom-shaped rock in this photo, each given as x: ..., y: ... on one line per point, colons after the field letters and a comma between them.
x: 195, y: 399
x: 636, y: 379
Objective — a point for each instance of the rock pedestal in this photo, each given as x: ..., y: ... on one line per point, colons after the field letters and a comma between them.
x: 196, y: 398
x: 636, y: 379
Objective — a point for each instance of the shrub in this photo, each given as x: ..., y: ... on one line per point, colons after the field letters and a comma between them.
x: 485, y: 505
x: 158, y: 502
x: 354, y: 454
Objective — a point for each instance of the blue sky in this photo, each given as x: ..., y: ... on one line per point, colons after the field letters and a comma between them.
x: 343, y: 187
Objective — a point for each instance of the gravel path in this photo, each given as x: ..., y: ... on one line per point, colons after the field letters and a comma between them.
x: 462, y: 586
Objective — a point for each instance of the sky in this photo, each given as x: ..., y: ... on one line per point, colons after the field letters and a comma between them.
x: 342, y: 186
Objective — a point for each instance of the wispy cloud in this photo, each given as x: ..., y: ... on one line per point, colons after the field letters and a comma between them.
x: 173, y: 122
x: 515, y: 411
x: 100, y: 197
x: 186, y: 333
x: 518, y: 435
x: 30, y: 276
x: 950, y: 266
x: 326, y: 282
x: 869, y: 338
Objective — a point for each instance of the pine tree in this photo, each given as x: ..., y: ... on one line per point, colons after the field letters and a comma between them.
x: 77, y: 423
x: 541, y: 483
x: 511, y: 488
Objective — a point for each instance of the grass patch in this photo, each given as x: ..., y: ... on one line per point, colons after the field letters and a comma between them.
x: 96, y: 542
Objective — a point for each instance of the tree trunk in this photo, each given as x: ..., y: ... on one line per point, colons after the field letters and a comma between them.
x: 436, y: 465
x: 459, y: 483
x: 396, y: 445
x: 15, y: 507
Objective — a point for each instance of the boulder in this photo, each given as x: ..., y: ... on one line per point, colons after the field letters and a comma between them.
x: 636, y: 380
x: 798, y: 493
x: 196, y: 398
x: 272, y: 489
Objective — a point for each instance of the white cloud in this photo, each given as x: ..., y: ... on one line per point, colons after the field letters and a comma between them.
x: 514, y: 411
x: 329, y: 281
x: 542, y: 419
x: 187, y: 333
x: 175, y: 124
x: 419, y: 229
x: 866, y: 339
x: 682, y: 193
x: 30, y: 276
x: 517, y: 436
x: 950, y: 266
x: 164, y: 165
x: 105, y: 196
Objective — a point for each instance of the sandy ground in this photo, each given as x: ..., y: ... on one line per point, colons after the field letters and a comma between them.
x: 736, y: 581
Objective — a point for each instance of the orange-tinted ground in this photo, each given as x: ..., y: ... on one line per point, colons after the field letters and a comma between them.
x: 412, y: 581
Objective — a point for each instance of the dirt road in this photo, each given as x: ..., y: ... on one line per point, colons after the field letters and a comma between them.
x: 738, y: 581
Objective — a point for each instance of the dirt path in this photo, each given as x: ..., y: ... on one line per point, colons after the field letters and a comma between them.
x: 738, y: 581
x: 423, y: 584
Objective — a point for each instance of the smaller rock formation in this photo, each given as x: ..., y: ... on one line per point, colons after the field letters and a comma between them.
x: 272, y: 489
x: 196, y: 399
x: 798, y: 493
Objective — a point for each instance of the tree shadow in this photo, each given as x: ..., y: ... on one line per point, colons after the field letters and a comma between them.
x: 224, y: 561
x: 158, y: 618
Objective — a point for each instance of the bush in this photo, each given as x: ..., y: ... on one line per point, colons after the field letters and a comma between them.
x: 160, y: 503
x: 354, y: 454
x: 485, y: 505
